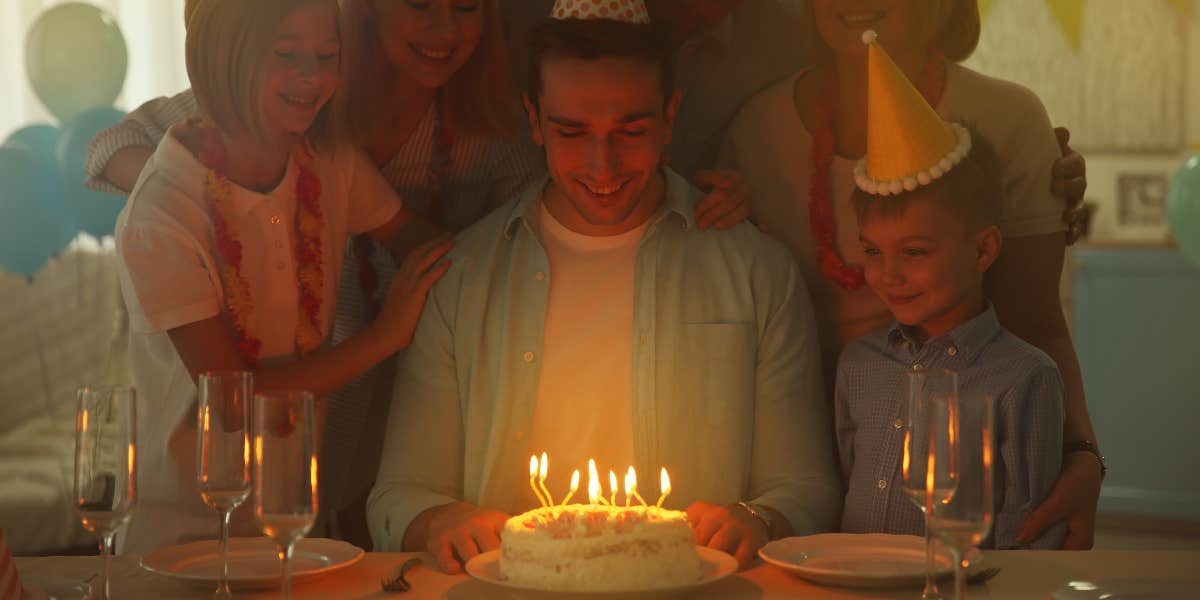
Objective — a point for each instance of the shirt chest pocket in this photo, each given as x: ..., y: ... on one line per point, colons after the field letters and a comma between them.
x: 716, y: 372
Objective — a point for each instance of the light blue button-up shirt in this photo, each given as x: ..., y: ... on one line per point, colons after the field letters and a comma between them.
x: 989, y: 361
x: 726, y: 373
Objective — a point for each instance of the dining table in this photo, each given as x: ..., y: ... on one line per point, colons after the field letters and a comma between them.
x: 1024, y: 574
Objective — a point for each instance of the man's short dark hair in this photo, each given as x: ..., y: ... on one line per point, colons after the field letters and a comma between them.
x: 593, y: 39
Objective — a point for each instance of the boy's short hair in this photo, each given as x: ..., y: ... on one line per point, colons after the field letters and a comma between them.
x: 972, y: 191
x: 593, y: 39
x: 227, y: 43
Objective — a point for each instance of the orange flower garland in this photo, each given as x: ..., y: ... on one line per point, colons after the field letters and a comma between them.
x: 310, y: 223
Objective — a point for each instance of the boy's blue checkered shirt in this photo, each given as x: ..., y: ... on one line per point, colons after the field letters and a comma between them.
x: 989, y: 361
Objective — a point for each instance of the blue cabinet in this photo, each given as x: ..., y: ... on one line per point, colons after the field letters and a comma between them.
x: 1136, y: 325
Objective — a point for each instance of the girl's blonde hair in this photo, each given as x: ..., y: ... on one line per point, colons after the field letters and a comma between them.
x: 481, y: 95
x: 956, y: 22
x: 227, y: 42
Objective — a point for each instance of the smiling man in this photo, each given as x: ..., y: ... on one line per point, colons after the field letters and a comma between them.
x: 592, y: 318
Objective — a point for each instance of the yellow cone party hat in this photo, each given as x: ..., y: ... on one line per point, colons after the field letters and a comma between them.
x: 630, y: 11
x: 908, y: 144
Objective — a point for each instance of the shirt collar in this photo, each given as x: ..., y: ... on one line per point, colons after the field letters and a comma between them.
x: 964, y: 342
x: 679, y: 202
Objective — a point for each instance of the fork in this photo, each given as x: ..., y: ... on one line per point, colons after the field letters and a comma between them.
x: 397, y: 583
x: 982, y: 576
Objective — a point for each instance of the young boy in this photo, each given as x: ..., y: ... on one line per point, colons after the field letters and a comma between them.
x: 928, y: 244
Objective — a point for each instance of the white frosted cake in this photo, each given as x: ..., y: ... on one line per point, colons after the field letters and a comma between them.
x: 586, y: 547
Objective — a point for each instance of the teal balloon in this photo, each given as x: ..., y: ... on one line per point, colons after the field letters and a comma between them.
x: 31, y: 212
x: 90, y: 211
x: 39, y: 140
x: 1183, y: 207
x: 75, y: 58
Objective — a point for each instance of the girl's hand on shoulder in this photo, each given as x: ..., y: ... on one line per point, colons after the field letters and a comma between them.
x: 422, y: 268
x: 727, y: 202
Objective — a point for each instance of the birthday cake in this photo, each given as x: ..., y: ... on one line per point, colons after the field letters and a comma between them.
x: 591, y: 547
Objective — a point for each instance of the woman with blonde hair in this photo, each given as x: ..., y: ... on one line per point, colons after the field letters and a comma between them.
x: 797, y: 142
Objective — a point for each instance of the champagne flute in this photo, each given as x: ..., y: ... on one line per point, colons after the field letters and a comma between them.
x: 223, y: 451
x: 105, y: 487
x: 965, y: 520
x: 285, y: 471
x: 926, y: 400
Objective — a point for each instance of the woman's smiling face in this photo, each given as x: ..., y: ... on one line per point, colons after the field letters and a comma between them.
x: 429, y: 40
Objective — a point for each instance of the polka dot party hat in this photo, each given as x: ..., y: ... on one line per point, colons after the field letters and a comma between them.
x: 629, y: 11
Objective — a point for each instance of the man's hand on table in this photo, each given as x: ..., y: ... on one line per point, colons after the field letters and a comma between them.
x: 460, y: 531
x: 730, y: 529
x: 1073, y: 499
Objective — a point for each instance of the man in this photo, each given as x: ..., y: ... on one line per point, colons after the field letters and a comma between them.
x: 591, y: 318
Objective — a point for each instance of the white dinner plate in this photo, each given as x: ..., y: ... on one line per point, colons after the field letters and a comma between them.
x: 41, y: 587
x: 1128, y: 589
x: 870, y: 560
x: 253, y: 562
x: 715, y: 566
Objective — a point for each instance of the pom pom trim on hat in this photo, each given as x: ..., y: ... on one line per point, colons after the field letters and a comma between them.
x: 899, y: 185
x: 629, y: 11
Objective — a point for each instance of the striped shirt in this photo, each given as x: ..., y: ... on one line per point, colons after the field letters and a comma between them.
x: 485, y: 171
x: 989, y: 361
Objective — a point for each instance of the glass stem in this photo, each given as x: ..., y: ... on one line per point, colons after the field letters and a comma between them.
x: 106, y: 541
x: 285, y: 557
x: 223, y: 588
x: 931, y: 589
x: 960, y: 574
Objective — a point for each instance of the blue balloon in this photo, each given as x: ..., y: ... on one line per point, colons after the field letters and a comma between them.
x: 90, y: 211
x: 31, y: 212
x: 1183, y: 207
x: 39, y: 140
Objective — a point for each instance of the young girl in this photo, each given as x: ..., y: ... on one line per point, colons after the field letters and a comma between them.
x: 231, y: 245
x: 797, y: 143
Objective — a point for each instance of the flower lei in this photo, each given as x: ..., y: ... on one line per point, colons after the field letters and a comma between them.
x: 440, y: 166
x: 310, y: 223
x: 820, y: 207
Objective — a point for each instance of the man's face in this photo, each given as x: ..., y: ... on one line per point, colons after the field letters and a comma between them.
x: 603, y: 124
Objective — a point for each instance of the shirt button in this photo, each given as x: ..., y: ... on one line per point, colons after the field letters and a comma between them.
x: 916, y: 366
x: 881, y: 484
x: 952, y: 351
x: 275, y: 220
x: 540, y: 276
x: 528, y: 357
x: 898, y: 423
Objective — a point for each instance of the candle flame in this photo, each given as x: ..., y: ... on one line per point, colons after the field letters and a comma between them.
x: 542, y: 480
x: 664, y: 485
x: 612, y: 487
x: 574, y: 486
x: 533, y: 472
x: 629, y: 485
x: 533, y: 466
x: 593, y: 482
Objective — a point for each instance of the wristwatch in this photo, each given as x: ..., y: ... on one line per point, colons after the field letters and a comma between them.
x: 1087, y: 446
x: 760, y: 514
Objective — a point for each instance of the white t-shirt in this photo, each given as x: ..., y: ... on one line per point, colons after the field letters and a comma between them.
x: 168, y: 270
x: 584, y: 406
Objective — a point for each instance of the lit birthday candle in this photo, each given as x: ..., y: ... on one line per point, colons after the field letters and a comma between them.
x: 633, y: 488
x: 664, y: 483
x: 574, y: 486
x: 628, y: 485
x: 542, y: 480
x: 533, y: 472
x: 612, y: 487
x: 593, y: 484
